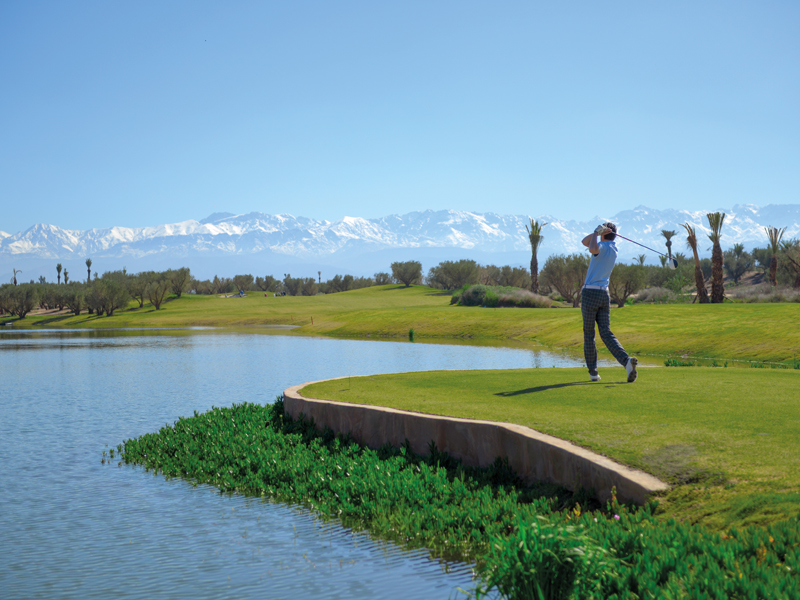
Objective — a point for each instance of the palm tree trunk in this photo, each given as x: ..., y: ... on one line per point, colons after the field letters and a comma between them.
x: 699, y: 280
x: 773, y: 271
x: 717, y: 281
x: 534, y: 273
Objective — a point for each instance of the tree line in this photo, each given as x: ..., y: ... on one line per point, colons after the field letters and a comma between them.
x: 562, y: 274
x: 780, y: 261
x: 100, y: 295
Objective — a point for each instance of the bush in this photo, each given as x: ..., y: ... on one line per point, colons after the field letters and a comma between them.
x: 657, y: 295
x: 494, y: 296
x: 764, y: 293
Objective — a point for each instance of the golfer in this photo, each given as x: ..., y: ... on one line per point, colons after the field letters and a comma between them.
x: 596, y: 303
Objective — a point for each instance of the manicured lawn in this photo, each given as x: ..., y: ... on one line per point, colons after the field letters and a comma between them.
x: 759, y: 332
x: 727, y: 439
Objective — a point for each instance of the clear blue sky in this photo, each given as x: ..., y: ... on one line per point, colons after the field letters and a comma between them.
x: 140, y: 113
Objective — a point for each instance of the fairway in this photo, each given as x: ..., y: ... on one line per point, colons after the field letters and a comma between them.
x: 726, y: 439
x: 733, y: 332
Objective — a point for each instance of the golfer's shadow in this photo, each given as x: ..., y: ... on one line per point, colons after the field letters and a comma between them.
x: 544, y: 388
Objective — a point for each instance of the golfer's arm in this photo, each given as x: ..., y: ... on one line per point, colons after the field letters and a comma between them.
x: 590, y: 241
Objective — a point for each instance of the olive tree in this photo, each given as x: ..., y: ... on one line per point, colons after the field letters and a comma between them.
x: 451, y: 275
x: 625, y: 280
x: 268, y: 283
x: 108, y: 293
x: 74, y: 298
x: 179, y: 280
x: 292, y: 285
x: 566, y: 274
x: 243, y: 283
x: 737, y: 262
x: 790, y: 261
x: 137, y: 286
x: 309, y: 286
x: 19, y: 299
x: 407, y: 273
x: 157, y: 290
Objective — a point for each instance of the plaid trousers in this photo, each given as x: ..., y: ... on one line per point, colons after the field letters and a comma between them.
x: 596, y: 308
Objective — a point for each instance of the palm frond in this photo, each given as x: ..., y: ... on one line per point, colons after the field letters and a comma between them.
x: 774, y: 234
x: 691, y: 237
x: 535, y: 232
x: 715, y: 221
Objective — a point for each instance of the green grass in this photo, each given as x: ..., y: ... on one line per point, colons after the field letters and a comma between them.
x: 744, y: 332
x: 727, y: 439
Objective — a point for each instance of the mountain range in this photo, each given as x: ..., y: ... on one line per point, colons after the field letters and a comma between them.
x: 260, y: 243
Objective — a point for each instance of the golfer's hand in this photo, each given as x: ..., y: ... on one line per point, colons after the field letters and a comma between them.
x: 601, y: 230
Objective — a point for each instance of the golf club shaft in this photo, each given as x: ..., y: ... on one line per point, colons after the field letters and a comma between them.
x: 642, y: 245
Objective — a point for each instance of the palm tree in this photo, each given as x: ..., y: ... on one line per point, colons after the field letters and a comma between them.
x: 699, y: 280
x: 774, y: 234
x: 668, y: 234
x: 715, y: 221
x: 58, y: 268
x: 89, y: 270
x: 14, y: 278
x: 641, y: 258
x: 535, y: 236
x: 66, y: 277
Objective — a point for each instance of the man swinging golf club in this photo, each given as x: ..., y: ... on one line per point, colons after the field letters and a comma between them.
x: 596, y: 303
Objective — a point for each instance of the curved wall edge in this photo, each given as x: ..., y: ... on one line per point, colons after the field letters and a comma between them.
x: 533, y: 455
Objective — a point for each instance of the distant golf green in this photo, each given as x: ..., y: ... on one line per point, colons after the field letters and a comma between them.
x: 727, y: 439
x: 751, y: 332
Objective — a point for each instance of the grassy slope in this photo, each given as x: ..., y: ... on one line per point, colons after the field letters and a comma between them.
x: 767, y: 332
x: 726, y: 438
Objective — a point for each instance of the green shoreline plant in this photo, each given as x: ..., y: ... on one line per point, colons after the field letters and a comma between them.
x: 528, y: 543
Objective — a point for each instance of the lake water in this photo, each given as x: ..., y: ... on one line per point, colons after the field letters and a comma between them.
x: 72, y: 527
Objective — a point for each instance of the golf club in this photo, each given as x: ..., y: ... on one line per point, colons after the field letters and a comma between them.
x: 673, y: 263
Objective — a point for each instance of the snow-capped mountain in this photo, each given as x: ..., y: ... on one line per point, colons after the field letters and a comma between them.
x: 356, y: 243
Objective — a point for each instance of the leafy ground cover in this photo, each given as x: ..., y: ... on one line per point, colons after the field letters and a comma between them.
x: 726, y: 439
x: 528, y: 543
x: 748, y: 332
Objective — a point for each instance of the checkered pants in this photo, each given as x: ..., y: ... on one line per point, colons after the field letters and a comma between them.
x: 596, y: 307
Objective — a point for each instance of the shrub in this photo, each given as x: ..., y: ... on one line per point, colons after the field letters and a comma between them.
x: 494, y: 296
x: 523, y: 299
x: 764, y: 293
x: 656, y: 294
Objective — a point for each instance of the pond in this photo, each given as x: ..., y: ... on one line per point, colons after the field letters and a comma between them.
x: 73, y: 527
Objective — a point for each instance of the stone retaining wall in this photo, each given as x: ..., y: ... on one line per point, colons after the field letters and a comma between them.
x: 534, y: 456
